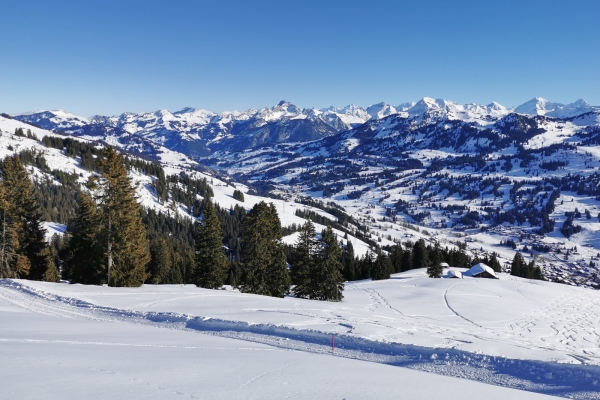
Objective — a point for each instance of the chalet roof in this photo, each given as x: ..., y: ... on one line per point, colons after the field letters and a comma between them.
x: 481, y: 268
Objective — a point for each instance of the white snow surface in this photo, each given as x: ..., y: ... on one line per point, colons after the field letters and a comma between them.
x: 512, y: 332
x: 54, y: 228
x: 80, y: 357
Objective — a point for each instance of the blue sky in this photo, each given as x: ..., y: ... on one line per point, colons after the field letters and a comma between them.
x: 107, y: 57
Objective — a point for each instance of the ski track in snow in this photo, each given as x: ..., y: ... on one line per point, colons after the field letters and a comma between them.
x: 568, y: 380
x: 454, y: 311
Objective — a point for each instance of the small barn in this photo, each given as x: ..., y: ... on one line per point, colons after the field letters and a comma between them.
x: 482, y: 271
x: 455, y: 274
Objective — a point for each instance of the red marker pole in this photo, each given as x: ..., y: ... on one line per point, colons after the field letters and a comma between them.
x: 332, y: 344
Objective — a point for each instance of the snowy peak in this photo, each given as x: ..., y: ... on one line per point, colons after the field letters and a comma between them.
x: 405, y: 106
x: 429, y: 110
x: 380, y: 110
x: 536, y: 106
x: 52, y: 119
x: 541, y: 106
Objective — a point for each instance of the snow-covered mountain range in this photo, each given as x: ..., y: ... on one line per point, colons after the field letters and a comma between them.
x: 198, y: 132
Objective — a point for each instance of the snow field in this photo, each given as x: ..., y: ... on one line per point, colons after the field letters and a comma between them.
x: 530, y: 335
x: 75, y: 358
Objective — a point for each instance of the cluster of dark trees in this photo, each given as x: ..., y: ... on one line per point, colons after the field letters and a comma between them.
x: 407, y: 256
x: 316, y: 265
x: 24, y: 252
x: 520, y: 267
x: 569, y: 228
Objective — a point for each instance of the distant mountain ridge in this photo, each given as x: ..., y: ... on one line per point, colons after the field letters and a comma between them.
x: 199, y: 133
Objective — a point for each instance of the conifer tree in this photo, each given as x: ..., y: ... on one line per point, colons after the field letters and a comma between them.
x: 396, y: 256
x: 420, y: 258
x: 160, y: 262
x: 328, y: 279
x: 211, y: 262
x: 264, y: 263
x: 304, y: 261
x: 85, y: 263
x: 238, y: 195
x: 517, y: 265
x: 435, y: 270
x: 537, y: 273
x: 33, y: 255
x: 8, y: 240
x: 123, y: 233
x: 349, y: 261
x: 366, y: 265
x: 382, y: 267
x: 494, y: 263
x: 407, y: 259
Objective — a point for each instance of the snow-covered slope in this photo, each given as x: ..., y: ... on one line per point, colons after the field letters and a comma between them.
x: 73, y: 358
x: 511, y: 332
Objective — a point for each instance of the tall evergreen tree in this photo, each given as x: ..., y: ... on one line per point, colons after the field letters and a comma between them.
x: 517, y: 265
x: 494, y: 263
x: 435, y: 270
x: 328, y: 279
x: 211, y: 262
x: 420, y: 258
x: 407, y: 259
x: 123, y: 233
x: 382, y: 267
x: 264, y: 263
x: 349, y: 261
x: 304, y: 261
x: 537, y: 272
x: 85, y: 262
x: 33, y: 255
x: 396, y: 256
x: 366, y: 265
x: 8, y: 239
x: 161, y: 261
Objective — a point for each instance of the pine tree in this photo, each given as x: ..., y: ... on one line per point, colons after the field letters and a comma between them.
x: 349, y: 261
x: 537, y: 273
x: 396, y: 256
x: 8, y: 240
x: 435, y: 270
x: 264, y: 261
x: 123, y: 233
x: 304, y: 261
x: 517, y: 265
x: 366, y: 265
x: 420, y: 258
x: 494, y: 263
x: 238, y: 195
x: 407, y: 259
x: 211, y: 262
x: 160, y: 262
x: 85, y: 262
x: 382, y: 267
x: 328, y: 279
x: 33, y: 255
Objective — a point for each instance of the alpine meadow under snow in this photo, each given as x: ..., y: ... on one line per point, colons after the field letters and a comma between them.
x: 397, y: 195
